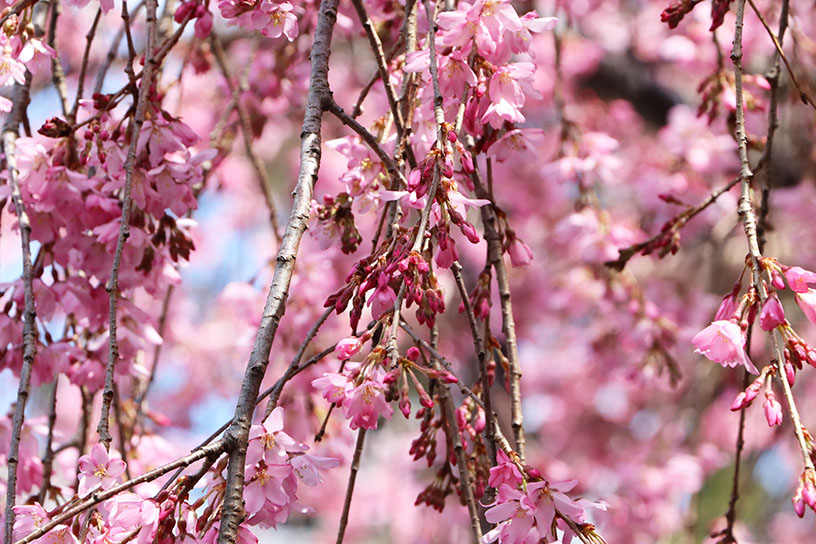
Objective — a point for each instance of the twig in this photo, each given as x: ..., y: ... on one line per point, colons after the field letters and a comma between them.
x: 355, y: 466
x: 124, y: 228
x: 237, y: 436
x: 89, y: 37
x: 114, y: 47
x: 478, y: 346
x: 358, y: 105
x: 448, y: 410
x: 676, y: 224
x: 57, y: 73
x: 765, y: 163
x: 246, y: 128
x: 293, y: 366
x: 803, y: 95
x: 382, y: 67
x: 139, y: 400
x: 464, y: 389
x: 48, y: 456
x: 369, y: 139
x: 21, y: 99
x: 489, y: 219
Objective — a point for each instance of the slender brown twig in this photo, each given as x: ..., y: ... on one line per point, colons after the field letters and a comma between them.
x: 803, y: 94
x: 112, y: 285
x: 246, y: 128
x: 481, y: 356
x: 496, y: 258
x: 48, y: 456
x: 355, y: 467
x: 382, y: 65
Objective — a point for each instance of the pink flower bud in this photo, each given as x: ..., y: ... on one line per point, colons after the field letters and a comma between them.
x: 728, y: 307
x: 809, y: 494
x: 412, y: 353
x: 347, y: 347
x: 772, y: 314
x: 739, y: 402
x: 447, y: 377
x: 520, y: 253
x: 776, y: 279
x: 773, y: 410
x: 790, y: 373
x: 203, y: 25
x: 753, y: 390
x: 799, y: 504
x: 470, y: 232
x: 405, y: 407
x: 425, y: 400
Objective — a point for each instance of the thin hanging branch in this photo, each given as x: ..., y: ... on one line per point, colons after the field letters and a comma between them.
x: 382, y: 63
x: 10, y: 133
x: 355, y: 467
x: 465, y: 485
x: 481, y: 356
x: 496, y: 258
x: 48, y: 456
x: 237, y: 436
x: 246, y: 127
x: 749, y: 221
x: 124, y: 228
x: 765, y: 163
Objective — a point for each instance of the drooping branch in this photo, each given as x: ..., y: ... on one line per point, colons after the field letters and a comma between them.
x: 478, y: 346
x: 382, y: 66
x: 237, y: 435
x: 10, y: 132
x: 765, y: 164
x: 465, y: 484
x: 124, y: 228
x: 749, y: 221
x: 48, y: 456
x: 355, y: 467
x: 496, y: 258
x: 246, y: 127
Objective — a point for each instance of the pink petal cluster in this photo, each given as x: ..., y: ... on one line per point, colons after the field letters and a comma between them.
x: 362, y: 403
x: 273, y: 19
x: 723, y: 342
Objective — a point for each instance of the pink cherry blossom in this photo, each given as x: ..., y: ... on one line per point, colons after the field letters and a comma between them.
x: 365, y: 403
x: 98, y: 469
x: 347, y: 347
x: 799, y: 278
x: 268, y: 441
x: 807, y: 302
x: 772, y: 314
x: 723, y: 342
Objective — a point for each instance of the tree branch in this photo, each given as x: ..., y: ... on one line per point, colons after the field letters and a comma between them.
x: 237, y: 435
x: 124, y: 228
x: 10, y: 133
